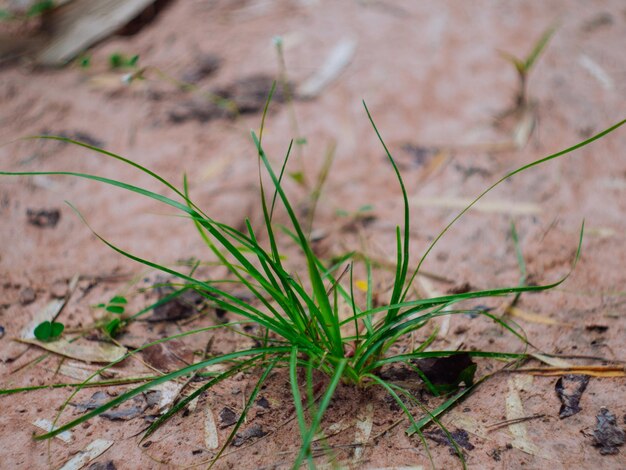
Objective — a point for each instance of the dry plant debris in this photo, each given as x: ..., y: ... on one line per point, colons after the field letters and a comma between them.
x: 569, y: 389
x: 608, y: 435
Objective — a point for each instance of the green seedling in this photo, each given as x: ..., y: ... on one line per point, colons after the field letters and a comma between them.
x: 299, y: 312
x: 84, y: 61
x: 524, y: 66
x: 121, y: 61
x: 117, y: 307
x: 39, y: 8
x: 49, y: 331
x: 35, y: 10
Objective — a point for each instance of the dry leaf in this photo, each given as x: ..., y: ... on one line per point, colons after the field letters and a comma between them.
x: 594, y: 371
x: 534, y: 317
x: 48, y: 313
x: 336, y: 62
x: 364, y: 424
x: 514, y: 411
x: 65, y: 436
x: 169, y: 392
x: 551, y: 361
x: 504, y: 207
x: 211, y: 440
x: 86, y: 351
x: 524, y: 127
x: 94, y: 450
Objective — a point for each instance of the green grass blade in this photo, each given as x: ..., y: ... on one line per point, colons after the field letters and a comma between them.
x: 403, y: 255
x: 505, y: 177
x: 328, y: 320
x: 164, y: 378
x: 538, y: 49
x: 295, y: 391
x: 330, y: 391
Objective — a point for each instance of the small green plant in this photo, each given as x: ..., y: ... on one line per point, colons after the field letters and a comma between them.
x: 49, y: 331
x: 39, y: 8
x: 117, y: 307
x: 299, y: 312
x: 84, y: 61
x: 35, y: 10
x: 524, y: 66
x: 121, y: 61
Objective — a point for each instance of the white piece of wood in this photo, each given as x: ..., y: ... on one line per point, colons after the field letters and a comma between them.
x: 94, y: 450
x: 336, y: 62
x: 82, y: 23
x: 46, y: 425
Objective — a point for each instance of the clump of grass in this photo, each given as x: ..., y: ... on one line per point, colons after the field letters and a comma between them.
x: 299, y: 312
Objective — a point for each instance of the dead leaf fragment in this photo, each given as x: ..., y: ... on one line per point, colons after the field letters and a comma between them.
x: 87, y: 351
x: 211, y: 440
x: 253, y: 431
x: 515, y: 411
x: 335, y: 63
x: 551, y: 361
x: 459, y: 436
x: 608, y: 436
x: 227, y: 417
x: 48, y: 313
x: 97, y: 399
x: 65, y: 436
x: 503, y: 207
x: 593, y: 371
x: 89, y: 453
x: 569, y: 389
x: 364, y: 424
x: 533, y: 317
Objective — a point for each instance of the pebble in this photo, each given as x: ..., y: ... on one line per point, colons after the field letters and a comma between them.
x: 27, y: 296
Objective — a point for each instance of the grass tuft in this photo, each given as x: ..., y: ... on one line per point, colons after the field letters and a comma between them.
x: 299, y: 311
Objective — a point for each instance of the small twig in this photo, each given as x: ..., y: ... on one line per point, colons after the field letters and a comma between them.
x: 508, y: 422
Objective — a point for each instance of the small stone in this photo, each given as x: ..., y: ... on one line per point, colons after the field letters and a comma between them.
x: 43, y: 218
x: 253, y: 431
x: 263, y: 403
x: 204, y: 65
x: 103, y: 466
x: 227, y: 417
x: 58, y: 289
x: 27, y: 296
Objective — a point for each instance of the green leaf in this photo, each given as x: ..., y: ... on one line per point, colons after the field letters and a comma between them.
x: 119, y: 61
x: 113, y: 327
x: 297, y: 176
x: 116, y: 309
x: 119, y: 300
x: 48, y: 331
x: 115, y: 60
x: 40, y: 8
x: 84, y: 61
x: 540, y: 45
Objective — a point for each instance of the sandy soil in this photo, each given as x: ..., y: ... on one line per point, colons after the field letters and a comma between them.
x: 434, y: 81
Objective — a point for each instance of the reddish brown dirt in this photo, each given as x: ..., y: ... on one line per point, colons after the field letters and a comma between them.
x: 432, y: 77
